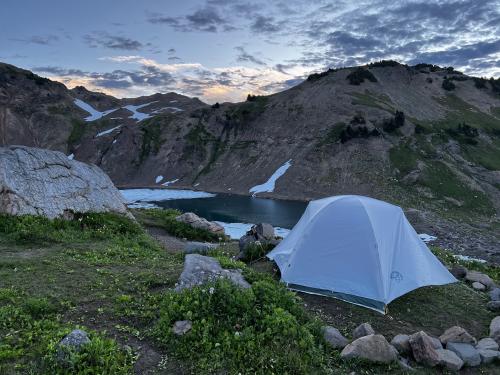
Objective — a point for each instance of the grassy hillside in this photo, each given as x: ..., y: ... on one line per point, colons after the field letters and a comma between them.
x: 104, y: 273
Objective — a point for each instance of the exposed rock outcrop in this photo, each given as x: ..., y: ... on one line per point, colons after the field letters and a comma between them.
x: 200, y: 269
x: 35, y: 181
x: 373, y: 348
x: 199, y: 222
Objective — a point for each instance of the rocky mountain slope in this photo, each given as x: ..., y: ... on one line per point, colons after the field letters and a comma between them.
x: 425, y: 137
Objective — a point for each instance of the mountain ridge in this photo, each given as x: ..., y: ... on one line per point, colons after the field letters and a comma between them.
x: 424, y: 137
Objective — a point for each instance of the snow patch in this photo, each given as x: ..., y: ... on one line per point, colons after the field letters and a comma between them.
x: 114, y: 141
x: 136, y: 115
x: 427, y: 237
x: 147, y: 205
x: 159, y: 178
x: 71, y: 157
x: 173, y: 101
x: 467, y: 258
x: 133, y: 196
x: 196, y: 184
x: 108, y: 131
x: 94, y: 113
x: 269, y: 185
x: 237, y: 230
x: 170, y: 182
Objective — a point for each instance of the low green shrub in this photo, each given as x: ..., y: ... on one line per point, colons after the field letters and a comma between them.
x: 30, y: 229
x: 260, y: 330
x: 165, y: 219
x: 256, y: 251
x: 358, y: 76
x: 448, y: 85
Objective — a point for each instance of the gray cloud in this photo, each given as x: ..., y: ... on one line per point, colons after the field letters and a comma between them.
x: 263, y: 24
x: 38, y: 39
x: 104, y: 40
x: 244, y: 56
x: 205, y: 19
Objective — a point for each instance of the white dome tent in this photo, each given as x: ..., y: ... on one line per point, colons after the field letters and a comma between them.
x: 357, y: 249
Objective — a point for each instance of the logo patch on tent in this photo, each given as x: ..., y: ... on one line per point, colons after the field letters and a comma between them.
x: 396, y: 276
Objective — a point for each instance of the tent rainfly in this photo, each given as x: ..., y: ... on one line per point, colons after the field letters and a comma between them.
x: 357, y: 249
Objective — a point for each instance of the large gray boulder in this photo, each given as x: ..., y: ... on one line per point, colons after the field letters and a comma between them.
x: 199, y: 222
x: 495, y: 294
x: 401, y: 343
x: 364, y: 329
x: 261, y: 233
x: 334, y: 337
x: 73, y: 342
x: 466, y: 352
x: 373, y: 348
x: 456, y: 334
x: 200, y: 269
x: 495, y: 329
x: 35, y: 181
x: 487, y: 343
x: 449, y: 359
x: 475, y: 276
x: 488, y: 356
x: 423, y: 349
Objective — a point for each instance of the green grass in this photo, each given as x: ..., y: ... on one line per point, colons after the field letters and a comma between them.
x: 152, y: 136
x: 484, y: 154
x: 333, y: 134
x: 243, y: 113
x: 165, y: 219
x: 404, y: 158
x: 197, y: 139
x: 371, y: 100
x: 78, y: 128
x: 103, y: 273
x: 443, y: 182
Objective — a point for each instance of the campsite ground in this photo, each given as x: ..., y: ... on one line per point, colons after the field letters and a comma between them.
x: 108, y: 276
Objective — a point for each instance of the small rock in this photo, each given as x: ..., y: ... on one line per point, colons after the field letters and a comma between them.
x: 403, y: 362
x: 480, y: 278
x: 495, y: 329
x: 458, y: 271
x: 423, y: 349
x: 74, y: 341
x: 487, y: 343
x: 199, y: 247
x: 363, y: 329
x: 466, y: 352
x: 200, y: 269
x: 488, y: 356
x: 265, y: 230
x: 195, y: 221
x: 456, y: 334
x: 436, y: 344
x: 401, y: 343
x: 449, y: 359
x: 495, y: 294
x: 181, y: 327
x: 373, y: 348
x: 334, y: 337
x: 493, y: 305
x: 478, y: 286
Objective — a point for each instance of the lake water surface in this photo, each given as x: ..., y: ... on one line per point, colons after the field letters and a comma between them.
x: 235, y: 212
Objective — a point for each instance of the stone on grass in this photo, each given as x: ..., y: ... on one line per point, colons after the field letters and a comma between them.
x: 495, y: 329
x: 194, y: 247
x: 495, y: 294
x: 364, y: 329
x: 34, y: 181
x: 74, y: 341
x: 423, y: 349
x: 456, y: 334
x: 478, y: 286
x: 488, y: 356
x: 458, y: 271
x: 195, y: 221
x: 401, y: 343
x: 436, y: 344
x: 200, y: 269
x: 181, y: 327
x: 374, y: 348
x: 487, y: 343
x: 449, y: 359
x: 466, y: 352
x: 334, y: 337
x: 493, y: 306
x: 482, y: 278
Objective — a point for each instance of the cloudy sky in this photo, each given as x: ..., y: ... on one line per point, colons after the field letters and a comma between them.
x: 221, y: 50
